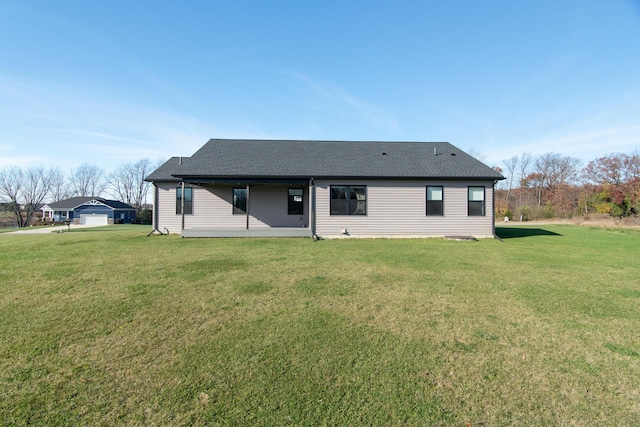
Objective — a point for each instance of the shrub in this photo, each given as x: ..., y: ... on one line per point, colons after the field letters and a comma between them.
x: 145, y: 216
x: 525, y: 212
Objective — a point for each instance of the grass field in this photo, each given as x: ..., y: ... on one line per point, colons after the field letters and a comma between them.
x: 109, y: 327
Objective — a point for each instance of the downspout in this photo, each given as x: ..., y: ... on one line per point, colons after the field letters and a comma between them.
x: 312, y: 208
x: 248, y: 204
x: 182, y: 206
x: 154, y: 219
x: 493, y: 213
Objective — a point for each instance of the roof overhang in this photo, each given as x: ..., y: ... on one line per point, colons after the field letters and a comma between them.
x: 277, y: 180
x: 207, y: 180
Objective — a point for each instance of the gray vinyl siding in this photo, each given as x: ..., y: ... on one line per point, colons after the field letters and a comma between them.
x: 394, y: 208
x: 166, y: 208
x: 398, y: 208
x: 269, y: 206
x: 213, y: 207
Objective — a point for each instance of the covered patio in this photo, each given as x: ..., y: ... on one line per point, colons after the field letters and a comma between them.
x: 255, y: 207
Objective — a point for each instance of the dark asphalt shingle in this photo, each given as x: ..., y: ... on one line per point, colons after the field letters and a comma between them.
x: 235, y: 158
x: 74, y: 202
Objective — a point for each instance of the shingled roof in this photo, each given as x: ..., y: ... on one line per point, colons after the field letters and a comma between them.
x: 74, y: 202
x: 269, y: 159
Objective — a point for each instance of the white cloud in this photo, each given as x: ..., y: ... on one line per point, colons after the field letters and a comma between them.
x: 334, y: 99
x: 585, y: 144
x: 70, y: 126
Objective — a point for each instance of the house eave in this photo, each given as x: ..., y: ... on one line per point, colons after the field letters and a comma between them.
x: 243, y: 180
x: 304, y: 180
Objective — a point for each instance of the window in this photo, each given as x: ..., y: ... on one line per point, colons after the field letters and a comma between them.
x: 435, y: 201
x: 295, y: 206
x: 239, y: 201
x: 476, y: 201
x: 188, y: 201
x: 348, y: 200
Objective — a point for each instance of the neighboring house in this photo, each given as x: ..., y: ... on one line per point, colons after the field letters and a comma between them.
x: 232, y: 188
x: 89, y: 210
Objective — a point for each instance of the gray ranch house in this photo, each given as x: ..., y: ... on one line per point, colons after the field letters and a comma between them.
x: 325, y: 189
x: 89, y: 211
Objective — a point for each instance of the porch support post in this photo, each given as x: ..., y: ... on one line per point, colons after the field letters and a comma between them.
x: 248, y: 204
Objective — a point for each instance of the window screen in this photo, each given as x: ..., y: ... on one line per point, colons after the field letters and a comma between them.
x: 188, y: 201
x: 435, y: 200
x: 476, y: 201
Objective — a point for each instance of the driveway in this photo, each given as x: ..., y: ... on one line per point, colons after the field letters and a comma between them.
x: 48, y: 230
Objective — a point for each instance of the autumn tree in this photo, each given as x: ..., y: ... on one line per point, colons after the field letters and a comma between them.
x: 555, y: 185
x: 616, y: 179
x: 553, y: 171
x: 535, y: 180
x: 614, y: 169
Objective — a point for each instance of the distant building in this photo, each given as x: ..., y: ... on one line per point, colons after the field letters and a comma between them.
x: 89, y: 211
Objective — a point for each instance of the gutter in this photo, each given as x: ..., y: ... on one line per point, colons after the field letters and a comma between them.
x: 182, y: 207
x: 493, y: 220
x: 312, y: 208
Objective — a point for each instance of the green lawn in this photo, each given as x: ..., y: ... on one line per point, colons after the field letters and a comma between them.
x: 109, y: 327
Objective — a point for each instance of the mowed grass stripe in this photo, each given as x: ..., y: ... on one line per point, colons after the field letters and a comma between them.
x: 107, y: 326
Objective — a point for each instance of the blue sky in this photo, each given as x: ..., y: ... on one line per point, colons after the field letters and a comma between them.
x: 113, y: 82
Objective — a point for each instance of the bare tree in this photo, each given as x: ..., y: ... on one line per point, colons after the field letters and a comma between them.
x: 570, y: 170
x: 11, y: 190
x: 87, y: 181
x: 142, y: 169
x: 525, y: 164
x: 475, y: 152
x: 58, y: 185
x: 543, y: 165
x: 511, y: 165
x: 127, y: 182
x: 25, y: 190
x: 121, y: 183
x: 562, y: 170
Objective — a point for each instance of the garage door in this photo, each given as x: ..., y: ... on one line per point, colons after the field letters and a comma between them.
x: 93, y: 219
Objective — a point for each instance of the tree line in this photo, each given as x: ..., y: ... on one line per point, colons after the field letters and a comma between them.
x: 544, y: 186
x: 25, y: 190
x: 551, y: 185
